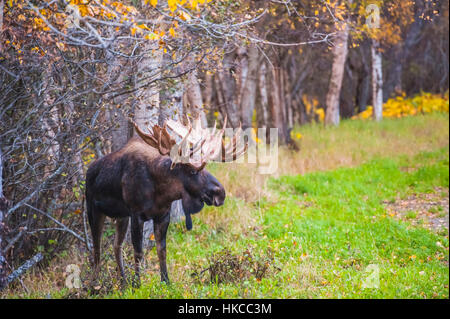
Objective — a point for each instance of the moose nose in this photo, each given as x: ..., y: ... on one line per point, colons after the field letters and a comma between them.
x: 218, y: 196
x: 217, y: 201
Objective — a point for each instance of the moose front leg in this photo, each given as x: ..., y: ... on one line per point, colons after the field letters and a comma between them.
x: 160, y: 229
x: 137, y: 226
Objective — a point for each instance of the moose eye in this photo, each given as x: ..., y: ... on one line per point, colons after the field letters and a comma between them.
x: 194, y: 172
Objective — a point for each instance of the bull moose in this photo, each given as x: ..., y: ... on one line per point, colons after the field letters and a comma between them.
x: 142, y: 179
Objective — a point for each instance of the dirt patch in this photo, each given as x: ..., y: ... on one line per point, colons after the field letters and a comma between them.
x: 429, y: 210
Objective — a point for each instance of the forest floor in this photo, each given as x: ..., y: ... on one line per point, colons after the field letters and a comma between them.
x: 361, y: 211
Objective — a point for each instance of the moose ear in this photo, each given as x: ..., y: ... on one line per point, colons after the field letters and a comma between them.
x: 191, y: 205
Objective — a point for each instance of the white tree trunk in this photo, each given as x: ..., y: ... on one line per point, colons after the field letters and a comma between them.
x: 147, y: 106
x: 288, y: 99
x: 377, y: 81
x: 263, y: 94
x: 171, y: 107
x: 340, y: 51
x: 248, y: 90
x: 147, y: 103
x: 208, y: 91
x: 194, y: 97
x: 117, y: 106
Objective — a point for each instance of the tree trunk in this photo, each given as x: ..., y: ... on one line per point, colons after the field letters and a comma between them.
x: 393, y: 85
x: 171, y: 104
x: 401, y: 52
x: 363, y: 92
x: 226, y: 83
x: 3, y: 207
x: 171, y: 107
x: 248, y: 96
x: 288, y: 99
x: 208, y: 92
x: 298, y: 73
x: 337, y: 74
x: 147, y: 103
x: 2, y: 4
x: 363, y: 85
x: 276, y: 106
x: 241, y: 72
x: 303, y: 115
x: 377, y: 81
x: 264, y: 94
x: 194, y: 97
x: 115, y: 116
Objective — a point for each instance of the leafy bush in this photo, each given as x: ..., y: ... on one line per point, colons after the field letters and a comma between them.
x: 401, y: 106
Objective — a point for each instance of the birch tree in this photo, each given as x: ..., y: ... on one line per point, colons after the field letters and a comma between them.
x: 249, y: 86
x: 262, y: 82
x: 147, y: 109
x: 340, y: 50
x: 386, y: 30
x: 194, y: 99
x: 377, y: 81
x: 226, y: 83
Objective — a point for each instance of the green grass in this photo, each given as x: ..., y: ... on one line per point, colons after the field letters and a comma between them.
x: 325, y: 249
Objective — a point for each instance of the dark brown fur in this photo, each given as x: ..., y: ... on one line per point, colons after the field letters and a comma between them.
x: 136, y: 182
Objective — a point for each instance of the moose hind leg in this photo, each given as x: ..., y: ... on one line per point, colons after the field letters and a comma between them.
x: 97, y: 221
x: 121, y: 231
x: 160, y: 228
x: 137, y: 225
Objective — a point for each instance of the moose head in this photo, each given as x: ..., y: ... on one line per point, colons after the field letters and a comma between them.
x: 196, y: 147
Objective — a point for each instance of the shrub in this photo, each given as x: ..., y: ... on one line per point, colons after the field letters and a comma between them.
x: 401, y: 106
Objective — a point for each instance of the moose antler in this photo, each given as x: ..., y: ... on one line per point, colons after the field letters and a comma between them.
x: 204, y: 145
x: 158, y: 138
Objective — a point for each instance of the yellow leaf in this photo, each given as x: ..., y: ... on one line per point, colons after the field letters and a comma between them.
x: 184, y: 16
x: 151, y: 36
x: 172, y: 5
x: 144, y: 27
x: 172, y: 32
x: 154, y: 2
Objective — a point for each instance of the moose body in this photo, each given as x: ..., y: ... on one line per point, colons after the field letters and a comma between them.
x: 138, y: 183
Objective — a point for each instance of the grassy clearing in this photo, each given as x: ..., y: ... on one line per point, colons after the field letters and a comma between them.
x: 326, y: 229
x: 323, y: 216
x: 354, y: 142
